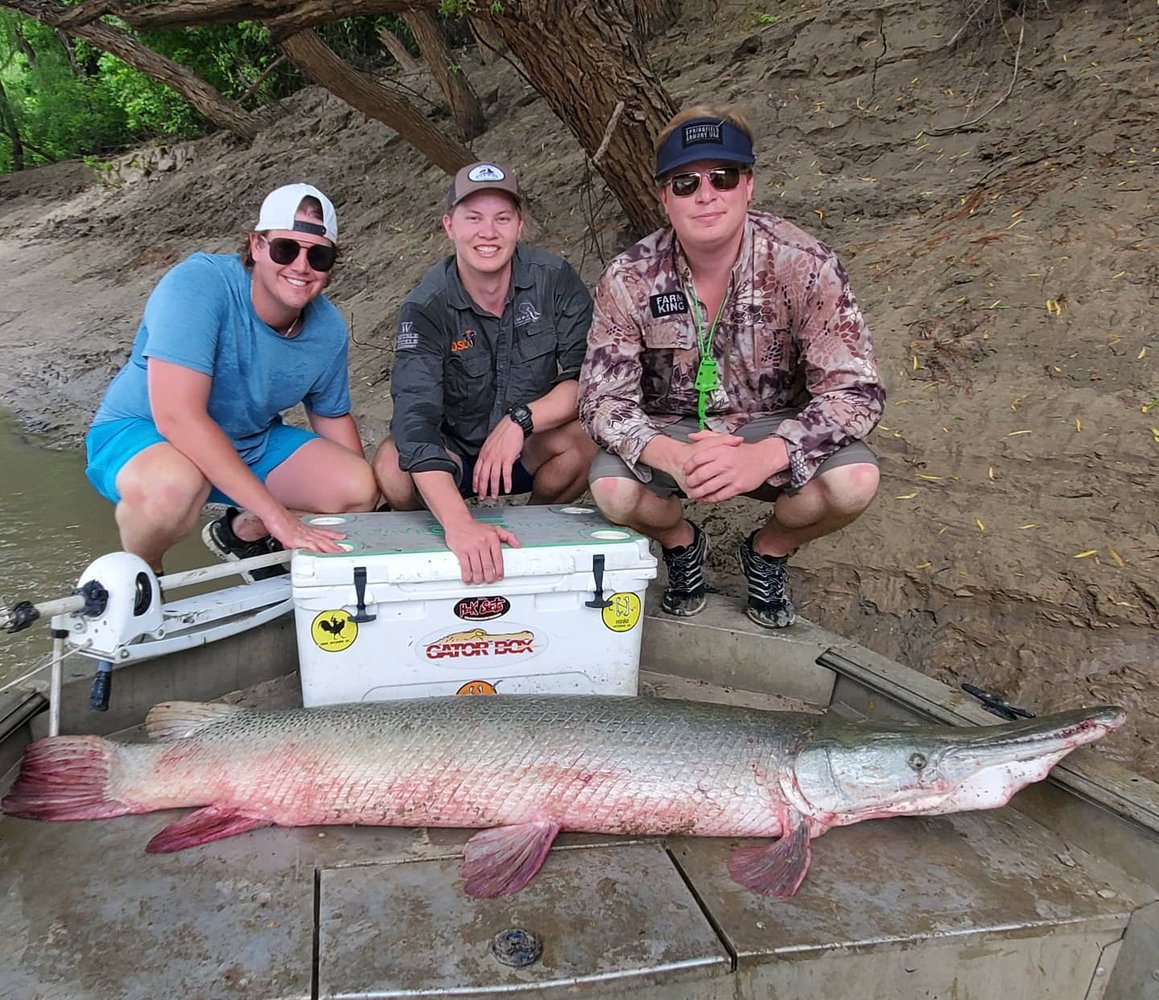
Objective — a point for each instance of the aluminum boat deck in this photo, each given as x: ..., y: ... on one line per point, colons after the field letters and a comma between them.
x: 1054, y: 896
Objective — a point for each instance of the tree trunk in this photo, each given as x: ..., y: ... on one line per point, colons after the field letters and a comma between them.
x: 590, y: 61
x: 491, y: 44
x: 8, y: 125
x: 653, y: 16
x: 318, y: 62
x: 460, y: 98
x: 125, y: 47
x: 394, y: 45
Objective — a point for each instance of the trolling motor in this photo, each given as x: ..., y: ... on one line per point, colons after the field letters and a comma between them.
x: 116, y: 615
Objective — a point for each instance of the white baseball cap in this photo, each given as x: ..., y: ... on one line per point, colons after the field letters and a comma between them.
x: 281, y: 206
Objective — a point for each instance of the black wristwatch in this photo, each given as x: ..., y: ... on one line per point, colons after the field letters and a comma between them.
x: 522, y: 416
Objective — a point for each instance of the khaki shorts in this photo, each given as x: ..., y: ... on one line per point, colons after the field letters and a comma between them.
x: 610, y: 466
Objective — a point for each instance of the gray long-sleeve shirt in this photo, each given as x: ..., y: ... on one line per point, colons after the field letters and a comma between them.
x: 458, y: 369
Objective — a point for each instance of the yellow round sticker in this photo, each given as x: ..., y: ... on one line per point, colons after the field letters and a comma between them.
x: 623, y: 613
x: 333, y: 631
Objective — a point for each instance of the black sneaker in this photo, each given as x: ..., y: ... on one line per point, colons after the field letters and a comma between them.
x: 221, y: 541
x: 685, y: 594
x: 768, y: 605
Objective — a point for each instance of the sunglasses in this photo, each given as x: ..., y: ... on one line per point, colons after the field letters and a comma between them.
x: 722, y: 178
x: 319, y: 256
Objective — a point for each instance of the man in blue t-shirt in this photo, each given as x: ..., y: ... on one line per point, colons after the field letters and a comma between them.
x: 227, y: 343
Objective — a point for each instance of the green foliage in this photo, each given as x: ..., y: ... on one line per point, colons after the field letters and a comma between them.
x: 95, y: 104
x: 461, y: 8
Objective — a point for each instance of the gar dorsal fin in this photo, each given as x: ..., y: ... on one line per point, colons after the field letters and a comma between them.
x: 174, y: 720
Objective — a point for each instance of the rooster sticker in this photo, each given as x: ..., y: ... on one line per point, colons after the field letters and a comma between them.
x: 333, y: 631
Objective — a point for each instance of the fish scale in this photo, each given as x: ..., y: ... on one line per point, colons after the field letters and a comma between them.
x: 524, y: 768
x: 645, y: 762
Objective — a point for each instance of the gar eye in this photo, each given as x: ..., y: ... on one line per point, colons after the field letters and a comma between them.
x: 918, y: 761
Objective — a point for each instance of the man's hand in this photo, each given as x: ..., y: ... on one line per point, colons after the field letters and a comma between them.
x: 496, y: 459
x: 477, y: 547
x: 722, y: 466
x: 294, y: 534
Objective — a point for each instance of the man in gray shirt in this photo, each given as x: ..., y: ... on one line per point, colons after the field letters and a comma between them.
x: 484, y: 383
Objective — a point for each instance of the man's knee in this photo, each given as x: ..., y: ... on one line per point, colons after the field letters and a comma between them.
x: 616, y: 497
x: 162, y: 490
x: 849, y: 489
x: 359, y: 489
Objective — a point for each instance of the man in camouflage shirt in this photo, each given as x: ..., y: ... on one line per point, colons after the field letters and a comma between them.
x: 728, y: 357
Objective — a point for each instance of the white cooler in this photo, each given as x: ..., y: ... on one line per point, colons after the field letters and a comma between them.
x: 391, y: 618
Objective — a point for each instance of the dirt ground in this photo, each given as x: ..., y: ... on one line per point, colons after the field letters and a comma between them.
x: 1001, y: 240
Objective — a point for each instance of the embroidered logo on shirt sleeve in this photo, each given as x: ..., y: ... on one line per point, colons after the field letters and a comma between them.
x: 408, y: 336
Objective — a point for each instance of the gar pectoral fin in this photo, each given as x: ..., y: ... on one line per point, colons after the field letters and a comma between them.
x: 501, y: 861
x: 202, y: 827
x: 776, y: 869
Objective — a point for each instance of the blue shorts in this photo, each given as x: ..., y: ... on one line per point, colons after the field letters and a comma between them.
x: 110, y: 445
x: 521, y: 479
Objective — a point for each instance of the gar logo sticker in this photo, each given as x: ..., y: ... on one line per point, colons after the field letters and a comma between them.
x: 477, y: 687
x: 482, y: 609
x: 480, y: 642
x: 333, y: 631
x: 623, y: 614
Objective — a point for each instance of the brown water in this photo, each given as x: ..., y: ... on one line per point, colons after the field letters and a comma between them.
x: 52, y: 525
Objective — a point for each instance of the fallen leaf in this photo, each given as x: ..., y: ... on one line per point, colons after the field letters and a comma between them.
x: 924, y: 565
x: 1086, y: 554
x: 981, y: 526
x: 1116, y: 557
x: 1078, y: 424
x: 990, y: 472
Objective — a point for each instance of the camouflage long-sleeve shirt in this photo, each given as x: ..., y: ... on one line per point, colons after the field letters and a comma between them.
x: 790, y: 336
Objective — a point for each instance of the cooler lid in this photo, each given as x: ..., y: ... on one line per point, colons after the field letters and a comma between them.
x: 408, y: 546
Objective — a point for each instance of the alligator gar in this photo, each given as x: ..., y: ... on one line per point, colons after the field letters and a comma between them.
x: 524, y: 768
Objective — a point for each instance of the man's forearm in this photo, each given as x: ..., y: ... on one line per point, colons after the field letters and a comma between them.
x: 341, y: 430
x: 555, y: 408
x: 441, y: 496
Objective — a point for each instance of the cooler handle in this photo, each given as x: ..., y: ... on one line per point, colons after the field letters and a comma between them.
x: 599, y: 601
x: 360, y: 616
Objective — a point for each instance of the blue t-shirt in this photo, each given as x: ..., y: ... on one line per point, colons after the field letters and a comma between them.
x: 200, y: 316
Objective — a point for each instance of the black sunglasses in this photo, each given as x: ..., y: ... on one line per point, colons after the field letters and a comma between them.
x: 320, y: 256
x: 722, y: 178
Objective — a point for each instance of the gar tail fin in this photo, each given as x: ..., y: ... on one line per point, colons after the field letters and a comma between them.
x: 501, y: 861
x: 776, y: 869
x: 202, y: 827
x: 65, y: 777
x: 174, y: 720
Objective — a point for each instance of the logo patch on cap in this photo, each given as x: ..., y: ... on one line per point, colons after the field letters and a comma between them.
x: 697, y: 133
x: 668, y: 304
x: 485, y: 172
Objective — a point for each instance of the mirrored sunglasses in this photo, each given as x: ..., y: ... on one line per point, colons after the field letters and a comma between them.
x: 320, y: 256
x: 722, y: 178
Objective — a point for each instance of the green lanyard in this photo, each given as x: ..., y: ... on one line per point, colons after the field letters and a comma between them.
x: 707, y: 373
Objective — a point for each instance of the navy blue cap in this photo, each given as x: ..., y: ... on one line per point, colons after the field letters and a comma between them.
x: 703, y: 139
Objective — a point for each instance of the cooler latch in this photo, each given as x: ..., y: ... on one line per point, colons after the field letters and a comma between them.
x: 360, y: 616
x: 598, y: 572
